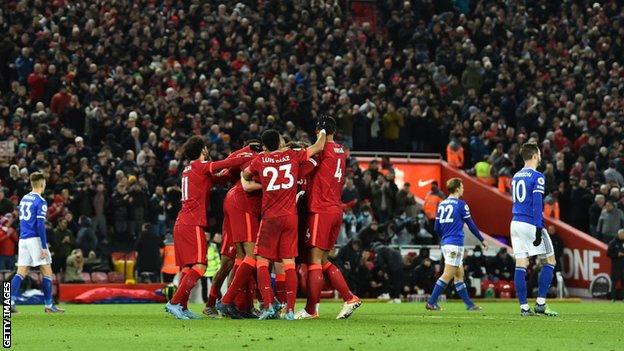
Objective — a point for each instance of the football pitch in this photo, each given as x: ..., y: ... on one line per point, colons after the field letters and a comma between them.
x: 375, y: 326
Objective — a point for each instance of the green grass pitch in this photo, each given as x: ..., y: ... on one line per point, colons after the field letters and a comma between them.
x: 375, y: 326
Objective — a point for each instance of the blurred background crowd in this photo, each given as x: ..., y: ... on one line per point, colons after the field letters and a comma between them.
x: 100, y: 95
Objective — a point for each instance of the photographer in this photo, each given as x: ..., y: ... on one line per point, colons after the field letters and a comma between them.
x: 389, y: 263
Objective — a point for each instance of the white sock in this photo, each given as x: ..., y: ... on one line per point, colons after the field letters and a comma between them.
x: 524, y: 306
x: 540, y: 300
x: 48, y: 306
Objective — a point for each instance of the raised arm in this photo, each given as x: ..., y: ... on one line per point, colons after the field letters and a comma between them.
x: 237, y: 161
x: 319, y: 145
x: 248, y: 184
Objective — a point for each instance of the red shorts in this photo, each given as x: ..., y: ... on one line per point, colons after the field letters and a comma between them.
x: 243, y: 226
x: 277, y: 238
x: 228, y: 248
x: 324, y: 229
x: 190, y: 245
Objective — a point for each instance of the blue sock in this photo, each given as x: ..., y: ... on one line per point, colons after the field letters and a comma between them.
x: 47, y: 290
x: 463, y: 293
x: 440, y: 286
x: 15, y: 287
x: 520, y: 283
x: 545, y: 279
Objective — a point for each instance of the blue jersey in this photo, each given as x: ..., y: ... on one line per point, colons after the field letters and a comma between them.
x: 449, y: 223
x: 527, y: 191
x: 32, y: 216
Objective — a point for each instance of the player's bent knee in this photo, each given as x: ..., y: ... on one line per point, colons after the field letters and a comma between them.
x: 551, y: 260
x: 522, y: 262
x: 199, y: 268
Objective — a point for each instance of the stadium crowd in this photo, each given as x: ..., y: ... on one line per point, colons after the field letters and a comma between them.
x: 100, y: 96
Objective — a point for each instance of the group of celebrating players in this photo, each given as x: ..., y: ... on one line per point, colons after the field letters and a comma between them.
x: 285, y: 205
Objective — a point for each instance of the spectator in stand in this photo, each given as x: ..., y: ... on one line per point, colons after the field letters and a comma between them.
x: 6, y: 206
x: 157, y: 211
x: 389, y: 263
x: 581, y: 197
x: 148, y: 247
x: 475, y: 265
x: 616, y: 252
x: 74, y: 267
x: 425, y: 276
x: 610, y: 221
x: 455, y: 154
x: 503, y: 265
x: 612, y: 175
x: 100, y: 205
x: 8, y: 242
x: 392, y: 121
x: 86, y: 239
x: 349, y: 260
x: 37, y: 83
x: 432, y: 200
x: 62, y: 243
x: 595, y: 210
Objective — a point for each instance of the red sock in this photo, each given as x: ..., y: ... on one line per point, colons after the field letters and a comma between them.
x: 337, y: 281
x: 237, y: 263
x: 315, y: 285
x: 280, y: 287
x: 251, y: 291
x: 186, y: 285
x: 264, y: 283
x: 241, y: 277
x: 240, y: 301
x: 183, y: 273
x: 291, y: 286
x: 213, y: 295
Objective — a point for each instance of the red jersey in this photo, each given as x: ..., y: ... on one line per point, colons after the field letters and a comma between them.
x: 325, y: 185
x: 248, y: 202
x: 197, y: 180
x: 278, y: 172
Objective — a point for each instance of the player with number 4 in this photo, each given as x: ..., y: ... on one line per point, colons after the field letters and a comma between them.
x: 451, y: 215
x: 528, y: 237
x: 277, y: 171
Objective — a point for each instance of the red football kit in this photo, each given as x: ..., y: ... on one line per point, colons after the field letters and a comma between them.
x: 241, y: 210
x: 278, y: 172
x: 188, y: 233
x: 325, y: 197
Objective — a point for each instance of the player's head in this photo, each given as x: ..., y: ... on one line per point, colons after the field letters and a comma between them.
x: 455, y: 187
x: 195, y: 147
x: 271, y: 140
x: 37, y: 181
x: 328, y: 123
x: 294, y: 145
x: 254, y: 144
x: 531, y: 154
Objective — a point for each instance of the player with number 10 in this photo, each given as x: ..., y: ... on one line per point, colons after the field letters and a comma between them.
x: 452, y: 213
x: 528, y: 237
